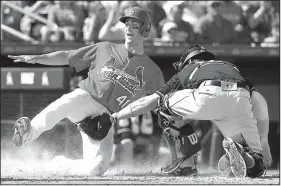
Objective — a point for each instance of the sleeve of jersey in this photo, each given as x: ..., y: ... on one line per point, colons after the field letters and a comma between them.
x: 172, y: 85
x: 155, y: 84
x: 82, y: 58
x: 161, y: 81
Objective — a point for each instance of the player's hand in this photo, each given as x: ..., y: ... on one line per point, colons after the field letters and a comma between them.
x: 113, y: 118
x: 266, y: 153
x: 23, y: 58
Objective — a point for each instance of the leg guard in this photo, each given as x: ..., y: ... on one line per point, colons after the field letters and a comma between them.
x: 171, y: 143
x: 181, y: 147
x: 189, y: 142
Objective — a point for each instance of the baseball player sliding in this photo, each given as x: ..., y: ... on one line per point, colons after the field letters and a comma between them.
x: 208, y: 89
x: 118, y: 74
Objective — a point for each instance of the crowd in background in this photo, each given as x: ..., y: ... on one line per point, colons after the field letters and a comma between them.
x: 208, y: 22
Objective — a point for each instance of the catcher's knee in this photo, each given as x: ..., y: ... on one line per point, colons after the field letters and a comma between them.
x: 190, y: 143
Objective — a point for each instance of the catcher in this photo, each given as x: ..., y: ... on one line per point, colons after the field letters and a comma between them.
x: 208, y: 89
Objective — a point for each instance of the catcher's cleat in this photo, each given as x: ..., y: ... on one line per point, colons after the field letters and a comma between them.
x: 230, y: 174
x: 234, y: 152
x: 223, y: 163
x: 22, y: 131
x: 173, y: 166
x: 186, y: 171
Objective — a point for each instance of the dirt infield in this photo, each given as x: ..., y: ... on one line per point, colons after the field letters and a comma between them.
x: 13, y: 172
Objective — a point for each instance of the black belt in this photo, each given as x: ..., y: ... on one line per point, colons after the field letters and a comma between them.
x: 218, y: 83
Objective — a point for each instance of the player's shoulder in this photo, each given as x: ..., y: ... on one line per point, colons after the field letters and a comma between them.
x: 147, y: 58
x: 105, y: 44
x: 150, y: 62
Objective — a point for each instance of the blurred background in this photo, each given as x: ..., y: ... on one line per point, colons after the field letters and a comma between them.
x: 245, y: 33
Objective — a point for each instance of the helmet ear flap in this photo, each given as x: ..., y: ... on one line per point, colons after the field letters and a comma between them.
x: 145, y: 30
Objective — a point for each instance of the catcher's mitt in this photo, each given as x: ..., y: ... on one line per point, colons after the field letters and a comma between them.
x: 96, y: 127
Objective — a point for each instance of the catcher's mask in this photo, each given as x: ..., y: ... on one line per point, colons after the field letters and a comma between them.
x: 194, y: 51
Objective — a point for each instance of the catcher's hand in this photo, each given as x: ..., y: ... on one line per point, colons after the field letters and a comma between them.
x: 96, y: 127
x: 23, y: 58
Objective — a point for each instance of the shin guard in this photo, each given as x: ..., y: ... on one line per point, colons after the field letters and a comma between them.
x: 181, y: 147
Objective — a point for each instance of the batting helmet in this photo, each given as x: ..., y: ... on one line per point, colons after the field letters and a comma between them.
x: 141, y: 15
x: 194, y: 51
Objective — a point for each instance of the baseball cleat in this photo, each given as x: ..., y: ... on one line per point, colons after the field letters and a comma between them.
x: 173, y: 166
x: 234, y: 152
x: 223, y: 163
x: 186, y: 171
x: 230, y: 174
x: 22, y: 131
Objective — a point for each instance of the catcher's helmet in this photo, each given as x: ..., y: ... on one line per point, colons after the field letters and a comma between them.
x: 194, y: 51
x: 141, y: 15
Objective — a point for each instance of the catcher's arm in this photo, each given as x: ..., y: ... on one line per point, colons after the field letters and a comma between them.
x: 146, y: 103
x: 138, y: 107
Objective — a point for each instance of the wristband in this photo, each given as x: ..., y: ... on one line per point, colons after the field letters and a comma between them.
x: 113, y: 119
x: 130, y: 109
x: 32, y: 59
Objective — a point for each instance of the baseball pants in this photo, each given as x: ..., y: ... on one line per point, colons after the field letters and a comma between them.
x: 76, y: 106
x: 229, y: 110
